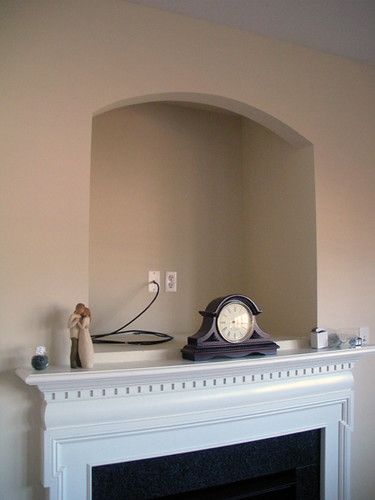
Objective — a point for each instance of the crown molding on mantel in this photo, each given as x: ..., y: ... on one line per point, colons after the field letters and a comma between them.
x: 291, y: 361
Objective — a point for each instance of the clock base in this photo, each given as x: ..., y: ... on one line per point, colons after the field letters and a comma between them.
x: 194, y: 353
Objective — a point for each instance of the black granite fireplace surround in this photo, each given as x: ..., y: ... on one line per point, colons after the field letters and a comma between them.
x: 285, y: 467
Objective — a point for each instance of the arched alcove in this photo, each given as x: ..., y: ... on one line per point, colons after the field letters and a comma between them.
x: 211, y: 188
x: 220, y: 102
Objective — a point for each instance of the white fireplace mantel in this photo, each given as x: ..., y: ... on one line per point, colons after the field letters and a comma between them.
x: 122, y: 412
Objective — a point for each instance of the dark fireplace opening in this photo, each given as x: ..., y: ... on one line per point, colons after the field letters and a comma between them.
x: 283, y: 468
x: 274, y: 486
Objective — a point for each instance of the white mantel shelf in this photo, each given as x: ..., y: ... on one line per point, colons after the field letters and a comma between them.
x: 291, y: 357
x: 139, y: 409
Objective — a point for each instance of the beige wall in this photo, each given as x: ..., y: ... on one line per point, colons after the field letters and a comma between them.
x: 166, y: 194
x: 63, y: 61
x: 281, y: 246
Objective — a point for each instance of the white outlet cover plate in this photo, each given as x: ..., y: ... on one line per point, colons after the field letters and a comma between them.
x: 364, y: 333
x: 171, y: 281
x: 153, y: 276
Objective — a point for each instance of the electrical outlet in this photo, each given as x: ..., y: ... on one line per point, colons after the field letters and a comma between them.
x: 364, y: 333
x: 171, y: 281
x: 153, y: 276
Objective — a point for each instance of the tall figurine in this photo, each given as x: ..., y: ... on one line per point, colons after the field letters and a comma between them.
x: 73, y: 325
x: 85, y: 345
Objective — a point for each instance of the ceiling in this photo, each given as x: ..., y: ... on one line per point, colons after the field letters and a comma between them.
x: 342, y: 27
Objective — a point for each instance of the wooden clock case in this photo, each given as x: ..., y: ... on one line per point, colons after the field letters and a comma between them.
x: 207, y: 343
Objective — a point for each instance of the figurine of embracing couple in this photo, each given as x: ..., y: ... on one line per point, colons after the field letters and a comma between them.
x: 82, y: 349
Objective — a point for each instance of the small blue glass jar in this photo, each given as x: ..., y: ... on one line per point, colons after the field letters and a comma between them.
x: 40, y: 360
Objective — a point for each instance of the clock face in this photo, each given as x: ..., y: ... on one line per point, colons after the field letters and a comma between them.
x: 235, y: 322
